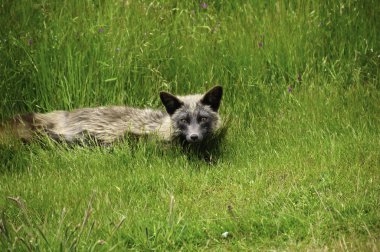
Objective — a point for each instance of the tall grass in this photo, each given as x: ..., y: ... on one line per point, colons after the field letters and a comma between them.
x: 300, y: 165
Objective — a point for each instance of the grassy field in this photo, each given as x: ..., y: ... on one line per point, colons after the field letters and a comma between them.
x: 299, y: 168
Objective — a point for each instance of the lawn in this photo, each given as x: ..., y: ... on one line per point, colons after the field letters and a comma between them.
x: 299, y: 167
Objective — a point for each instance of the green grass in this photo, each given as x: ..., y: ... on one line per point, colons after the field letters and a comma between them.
x: 297, y: 170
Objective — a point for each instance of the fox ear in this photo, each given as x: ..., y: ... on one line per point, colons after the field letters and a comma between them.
x: 213, y: 97
x: 170, y: 102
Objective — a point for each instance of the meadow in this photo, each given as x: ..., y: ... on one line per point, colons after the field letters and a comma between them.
x: 299, y: 167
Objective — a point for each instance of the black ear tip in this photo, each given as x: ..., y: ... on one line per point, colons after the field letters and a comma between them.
x: 217, y: 89
x: 163, y: 95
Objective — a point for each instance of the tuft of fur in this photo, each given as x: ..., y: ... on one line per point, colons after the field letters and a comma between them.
x: 191, y: 118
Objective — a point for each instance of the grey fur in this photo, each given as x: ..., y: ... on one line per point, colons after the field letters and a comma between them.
x: 183, y: 119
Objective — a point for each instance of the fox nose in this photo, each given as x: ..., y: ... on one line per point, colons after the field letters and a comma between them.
x: 194, y: 137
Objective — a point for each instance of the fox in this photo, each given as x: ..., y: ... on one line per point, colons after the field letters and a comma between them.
x: 191, y: 119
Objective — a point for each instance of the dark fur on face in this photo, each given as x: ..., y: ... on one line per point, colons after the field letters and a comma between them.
x: 194, y: 118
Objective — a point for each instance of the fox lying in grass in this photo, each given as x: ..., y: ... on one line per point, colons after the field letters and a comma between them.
x: 191, y: 119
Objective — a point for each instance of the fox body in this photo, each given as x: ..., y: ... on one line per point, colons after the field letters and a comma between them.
x: 189, y: 118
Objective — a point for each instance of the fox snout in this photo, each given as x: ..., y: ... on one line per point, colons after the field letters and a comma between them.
x: 194, y: 138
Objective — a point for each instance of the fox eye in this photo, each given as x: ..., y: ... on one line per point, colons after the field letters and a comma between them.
x: 203, y: 119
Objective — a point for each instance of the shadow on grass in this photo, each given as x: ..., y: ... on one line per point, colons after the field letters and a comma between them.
x: 209, y: 150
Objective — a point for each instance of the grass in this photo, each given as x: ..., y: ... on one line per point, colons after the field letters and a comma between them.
x: 299, y: 168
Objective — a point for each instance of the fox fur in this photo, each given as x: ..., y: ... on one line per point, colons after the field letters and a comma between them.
x: 191, y: 118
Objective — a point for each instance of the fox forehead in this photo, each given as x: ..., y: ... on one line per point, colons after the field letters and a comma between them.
x: 190, y: 101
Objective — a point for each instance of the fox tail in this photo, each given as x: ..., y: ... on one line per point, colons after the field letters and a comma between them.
x: 19, y: 127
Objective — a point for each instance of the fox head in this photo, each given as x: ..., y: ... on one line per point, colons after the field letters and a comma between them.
x: 194, y: 117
